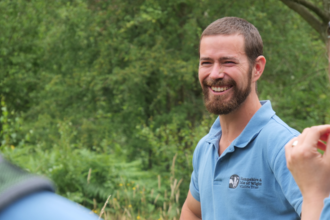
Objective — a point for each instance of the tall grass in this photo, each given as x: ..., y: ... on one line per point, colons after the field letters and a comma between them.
x: 88, y: 178
x: 134, y: 201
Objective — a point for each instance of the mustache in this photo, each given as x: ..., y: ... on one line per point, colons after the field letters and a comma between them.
x: 218, y: 82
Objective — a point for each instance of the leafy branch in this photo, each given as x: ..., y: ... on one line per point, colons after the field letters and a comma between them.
x: 316, y: 17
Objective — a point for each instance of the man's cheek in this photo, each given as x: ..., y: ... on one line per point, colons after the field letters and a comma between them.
x: 200, y: 80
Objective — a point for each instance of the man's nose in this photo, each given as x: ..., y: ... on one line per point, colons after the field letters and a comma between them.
x: 217, y: 72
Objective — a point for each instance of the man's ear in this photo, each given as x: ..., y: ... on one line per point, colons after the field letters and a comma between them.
x: 258, y: 68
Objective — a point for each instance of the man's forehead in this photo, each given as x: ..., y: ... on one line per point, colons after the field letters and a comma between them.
x: 231, y: 45
x: 221, y: 37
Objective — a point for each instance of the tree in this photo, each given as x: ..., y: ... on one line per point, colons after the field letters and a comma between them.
x: 316, y: 13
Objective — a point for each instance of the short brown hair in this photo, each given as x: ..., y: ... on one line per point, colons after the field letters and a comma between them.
x: 233, y: 25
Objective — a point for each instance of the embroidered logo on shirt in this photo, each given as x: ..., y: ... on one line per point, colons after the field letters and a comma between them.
x: 233, y: 181
x: 247, y: 183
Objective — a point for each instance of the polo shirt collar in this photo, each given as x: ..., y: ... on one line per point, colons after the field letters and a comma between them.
x: 252, y: 129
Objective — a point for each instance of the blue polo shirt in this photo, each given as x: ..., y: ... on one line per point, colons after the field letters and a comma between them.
x: 325, y: 215
x: 250, y: 180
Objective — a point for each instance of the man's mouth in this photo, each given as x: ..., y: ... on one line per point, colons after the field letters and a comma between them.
x: 220, y: 88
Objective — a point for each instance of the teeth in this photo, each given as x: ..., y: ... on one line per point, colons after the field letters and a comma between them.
x: 219, y: 89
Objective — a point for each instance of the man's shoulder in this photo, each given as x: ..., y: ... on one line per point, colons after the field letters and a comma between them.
x: 203, y: 147
x: 202, y: 151
x: 203, y: 143
x: 276, y: 127
x: 271, y: 125
x: 274, y: 136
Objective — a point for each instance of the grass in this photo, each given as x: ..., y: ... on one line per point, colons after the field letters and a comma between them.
x: 137, y: 202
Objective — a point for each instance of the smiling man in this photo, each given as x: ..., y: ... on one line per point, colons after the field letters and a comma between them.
x: 239, y: 166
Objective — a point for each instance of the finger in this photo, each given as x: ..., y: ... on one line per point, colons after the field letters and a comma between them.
x: 304, y: 134
x: 324, y: 137
x: 289, y: 148
x: 321, y: 145
x: 323, y: 130
x: 326, y: 151
x: 289, y: 144
x: 313, y: 135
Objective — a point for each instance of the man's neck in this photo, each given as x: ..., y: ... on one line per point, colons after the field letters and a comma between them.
x: 233, y: 124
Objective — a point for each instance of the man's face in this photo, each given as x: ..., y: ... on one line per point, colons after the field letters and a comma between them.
x: 224, y: 73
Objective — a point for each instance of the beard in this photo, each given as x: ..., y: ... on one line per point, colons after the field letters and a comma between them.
x: 217, y: 105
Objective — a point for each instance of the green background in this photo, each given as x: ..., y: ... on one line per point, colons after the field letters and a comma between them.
x: 112, y: 87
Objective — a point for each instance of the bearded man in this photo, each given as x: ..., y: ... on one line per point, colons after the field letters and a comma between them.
x: 240, y: 170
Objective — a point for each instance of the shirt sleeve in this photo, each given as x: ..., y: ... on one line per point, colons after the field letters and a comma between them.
x: 286, y: 181
x: 46, y: 205
x: 193, y: 187
x: 325, y: 215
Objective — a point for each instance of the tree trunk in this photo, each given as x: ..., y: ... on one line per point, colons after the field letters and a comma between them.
x: 316, y: 17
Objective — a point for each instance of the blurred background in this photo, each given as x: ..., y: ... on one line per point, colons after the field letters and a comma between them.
x: 102, y: 96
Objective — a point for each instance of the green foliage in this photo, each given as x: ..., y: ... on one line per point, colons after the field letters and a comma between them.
x: 112, y: 87
x: 88, y: 178
x: 10, y: 126
x: 69, y: 166
x: 135, y: 201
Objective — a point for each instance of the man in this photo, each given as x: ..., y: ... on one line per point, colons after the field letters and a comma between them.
x: 311, y: 170
x: 239, y: 167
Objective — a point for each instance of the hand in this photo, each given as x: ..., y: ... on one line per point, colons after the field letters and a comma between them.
x: 310, y: 169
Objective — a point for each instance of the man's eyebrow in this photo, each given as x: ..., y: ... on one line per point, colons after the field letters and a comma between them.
x: 221, y: 59
x: 205, y: 58
x: 228, y: 58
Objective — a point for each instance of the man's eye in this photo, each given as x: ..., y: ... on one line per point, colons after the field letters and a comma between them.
x: 229, y: 62
x: 206, y: 63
